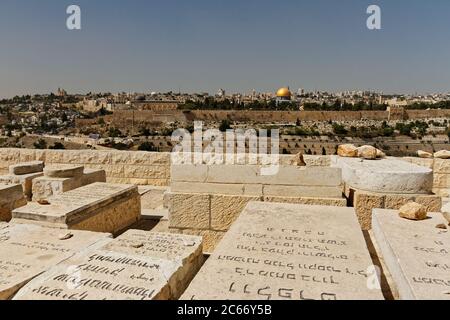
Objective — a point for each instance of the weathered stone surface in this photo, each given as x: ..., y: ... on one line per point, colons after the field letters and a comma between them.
x: 45, y: 187
x: 136, y: 266
x: 441, y: 166
x: 96, y: 207
x: 413, y: 211
x: 92, y: 176
x: 28, y: 250
x: 257, y: 189
x: 429, y: 163
x: 189, y: 210
x: 26, y: 180
x: 445, y: 193
x: 395, y: 202
x: 446, y: 212
x: 385, y: 176
x: 444, y: 154
x: 317, y: 161
x: 446, y: 208
x: 367, y: 152
x: 11, y: 197
x: 364, y: 202
x: 347, y: 151
x: 416, y: 254
x: 156, y: 172
x: 302, y: 191
x: 305, y: 176
x: 189, y: 173
x: 210, y: 238
x: 447, y: 217
x: 148, y: 166
x: 226, y: 209
x: 63, y: 171
x: 26, y: 168
x: 298, y: 160
x: 209, y: 188
x: 153, y: 197
x: 285, y: 251
x: 253, y: 174
x: 431, y: 203
x: 337, y: 202
x: 424, y: 154
x: 441, y: 180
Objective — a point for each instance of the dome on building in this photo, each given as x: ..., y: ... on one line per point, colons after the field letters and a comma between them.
x: 284, y: 93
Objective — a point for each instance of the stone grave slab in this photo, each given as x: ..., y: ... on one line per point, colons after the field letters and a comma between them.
x: 28, y: 250
x: 416, y: 253
x: 26, y: 180
x: 289, y: 252
x: 26, y: 168
x: 137, y: 265
x: 11, y: 197
x: 100, y: 207
x: 46, y: 187
x: 385, y: 176
x: 63, y: 171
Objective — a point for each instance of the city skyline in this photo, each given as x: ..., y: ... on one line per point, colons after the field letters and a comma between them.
x: 145, y: 46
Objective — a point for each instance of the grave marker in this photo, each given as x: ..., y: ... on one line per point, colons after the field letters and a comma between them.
x: 11, y: 197
x: 26, y: 168
x: 285, y: 251
x: 417, y: 254
x: 28, y: 250
x: 63, y: 171
x: 100, y: 207
x: 136, y: 266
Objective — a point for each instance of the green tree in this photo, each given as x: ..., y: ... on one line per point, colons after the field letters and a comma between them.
x: 339, y: 129
x: 57, y: 146
x: 147, y: 146
x: 40, y: 144
x: 114, y: 132
x: 224, y: 126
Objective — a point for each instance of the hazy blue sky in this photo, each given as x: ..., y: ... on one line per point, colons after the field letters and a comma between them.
x: 238, y: 45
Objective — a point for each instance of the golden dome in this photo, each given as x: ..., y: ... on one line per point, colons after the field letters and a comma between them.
x: 284, y: 93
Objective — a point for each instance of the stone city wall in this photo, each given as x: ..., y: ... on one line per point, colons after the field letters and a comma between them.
x: 292, y: 116
x: 124, y: 117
